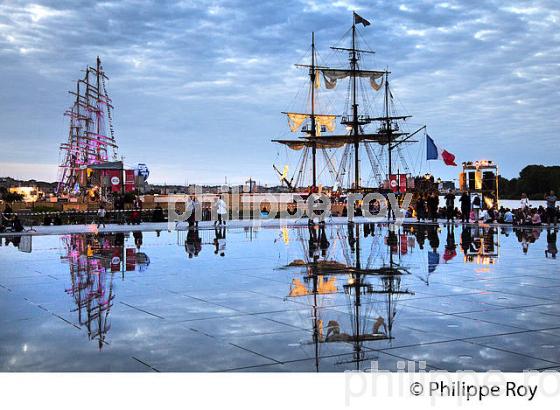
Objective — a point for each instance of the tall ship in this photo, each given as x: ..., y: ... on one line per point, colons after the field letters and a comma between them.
x: 91, y: 137
x: 359, y: 146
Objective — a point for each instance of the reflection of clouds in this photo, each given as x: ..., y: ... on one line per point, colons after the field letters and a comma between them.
x: 197, y: 332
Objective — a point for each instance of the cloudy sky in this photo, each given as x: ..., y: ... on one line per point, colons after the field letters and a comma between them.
x: 198, y: 86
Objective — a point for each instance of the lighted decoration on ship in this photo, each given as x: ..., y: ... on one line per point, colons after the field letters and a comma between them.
x: 91, y: 137
x: 89, y: 167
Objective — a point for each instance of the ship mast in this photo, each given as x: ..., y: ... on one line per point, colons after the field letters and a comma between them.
x: 88, y: 142
x: 386, y: 133
x: 388, y: 128
x: 355, y: 124
x: 312, y: 74
x: 311, y: 140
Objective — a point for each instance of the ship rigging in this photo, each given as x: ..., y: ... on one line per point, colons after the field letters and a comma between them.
x: 91, y: 137
x: 382, y: 137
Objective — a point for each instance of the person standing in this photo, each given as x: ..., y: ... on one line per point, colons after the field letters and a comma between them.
x: 524, y: 203
x: 191, y: 211
x: 221, y: 209
x: 476, y: 205
x: 433, y: 203
x: 508, y: 217
x: 465, y: 207
x: 450, y: 206
x: 101, y: 213
x: 551, y: 208
x: 421, y: 208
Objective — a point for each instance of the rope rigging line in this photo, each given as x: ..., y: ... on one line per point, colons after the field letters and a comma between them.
x: 403, y: 160
x: 342, y: 169
x: 332, y: 168
x: 301, y: 174
x: 109, y: 115
x: 374, y: 163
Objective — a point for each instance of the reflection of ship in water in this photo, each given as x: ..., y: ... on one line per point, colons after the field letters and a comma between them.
x: 372, y: 286
x: 93, y: 262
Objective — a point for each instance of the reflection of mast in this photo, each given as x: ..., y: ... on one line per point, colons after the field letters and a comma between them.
x: 356, y: 287
x: 92, y: 286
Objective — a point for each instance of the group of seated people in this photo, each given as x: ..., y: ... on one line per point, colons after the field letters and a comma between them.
x: 516, y: 217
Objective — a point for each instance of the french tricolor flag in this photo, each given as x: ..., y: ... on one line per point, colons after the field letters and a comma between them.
x: 433, y: 152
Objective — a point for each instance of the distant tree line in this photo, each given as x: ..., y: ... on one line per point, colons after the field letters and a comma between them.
x: 534, y: 180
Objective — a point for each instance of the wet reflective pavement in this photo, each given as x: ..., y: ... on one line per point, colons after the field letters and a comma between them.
x: 325, y: 299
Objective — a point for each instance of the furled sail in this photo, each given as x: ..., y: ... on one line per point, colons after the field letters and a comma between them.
x: 295, y: 120
x: 331, y: 76
x: 322, y: 142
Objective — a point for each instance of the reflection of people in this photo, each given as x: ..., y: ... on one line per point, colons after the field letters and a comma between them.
x: 193, y: 243
x: 526, y: 237
x: 450, y: 245
x: 323, y: 241
x: 137, y: 238
x: 220, y: 241
x: 351, y: 238
x: 420, y: 234
x: 433, y: 237
x: 466, y: 240
x: 552, y: 248
x: 313, y: 241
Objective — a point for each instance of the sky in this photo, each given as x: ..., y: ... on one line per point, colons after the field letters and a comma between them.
x: 199, y: 86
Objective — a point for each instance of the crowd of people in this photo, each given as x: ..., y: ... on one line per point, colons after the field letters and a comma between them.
x: 9, y: 220
x: 471, y: 209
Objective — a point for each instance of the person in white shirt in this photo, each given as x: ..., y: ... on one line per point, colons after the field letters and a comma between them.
x: 221, y: 209
x: 101, y: 213
x: 524, y: 203
x: 508, y: 217
x: 476, y: 205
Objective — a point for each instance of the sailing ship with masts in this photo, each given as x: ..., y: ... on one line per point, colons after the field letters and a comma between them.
x: 91, y: 137
x: 372, y: 127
